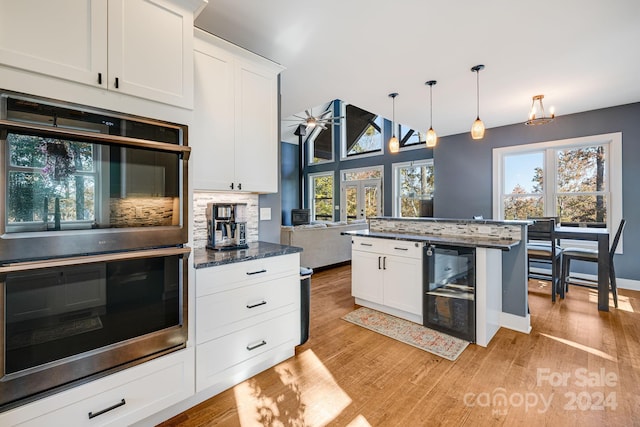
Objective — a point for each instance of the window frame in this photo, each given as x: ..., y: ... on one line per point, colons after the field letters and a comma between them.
x: 310, y: 140
x: 312, y: 194
x: 613, y: 171
x: 343, y: 182
x: 343, y: 137
x: 395, y: 169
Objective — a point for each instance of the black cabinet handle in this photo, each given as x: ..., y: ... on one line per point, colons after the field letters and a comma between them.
x: 231, y: 186
x: 253, y: 347
x: 384, y: 263
x: 251, y: 273
x: 256, y: 305
x: 366, y: 244
x: 110, y: 408
x: 379, y: 263
x: 99, y: 78
x: 239, y: 186
x: 401, y: 249
x: 117, y: 84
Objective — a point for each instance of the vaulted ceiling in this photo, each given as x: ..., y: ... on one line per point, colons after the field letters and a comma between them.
x: 581, y: 54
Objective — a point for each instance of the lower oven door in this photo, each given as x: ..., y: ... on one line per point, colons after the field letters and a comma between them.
x: 67, y: 321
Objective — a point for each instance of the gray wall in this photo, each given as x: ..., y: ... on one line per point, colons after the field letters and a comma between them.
x: 463, y: 169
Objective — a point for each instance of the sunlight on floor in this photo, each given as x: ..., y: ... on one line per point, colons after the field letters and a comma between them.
x: 310, y: 396
x: 359, y: 421
x: 591, y: 350
x: 623, y: 302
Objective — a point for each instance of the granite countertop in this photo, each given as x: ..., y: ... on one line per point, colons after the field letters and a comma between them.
x: 203, y: 258
x: 460, y: 220
x: 466, y: 241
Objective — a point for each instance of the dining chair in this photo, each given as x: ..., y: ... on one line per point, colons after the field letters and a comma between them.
x: 591, y: 255
x: 542, y: 246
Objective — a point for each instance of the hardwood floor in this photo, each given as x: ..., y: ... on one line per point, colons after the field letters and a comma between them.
x: 577, y: 367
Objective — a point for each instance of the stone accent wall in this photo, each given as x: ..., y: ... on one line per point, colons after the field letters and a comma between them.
x: 200, y: 200
x: 144, y: 212
x: 447, y: 228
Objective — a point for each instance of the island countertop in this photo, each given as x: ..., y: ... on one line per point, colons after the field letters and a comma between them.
x: 460, y: 240
x: 203, y: 258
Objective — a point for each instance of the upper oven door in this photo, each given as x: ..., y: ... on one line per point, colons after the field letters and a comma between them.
x: 76, y: 188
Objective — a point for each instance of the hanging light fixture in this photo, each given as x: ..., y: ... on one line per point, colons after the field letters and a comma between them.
x: 432, y: 137
x: 477, y: 129
x: 394, y: 144
x: 541, y: 119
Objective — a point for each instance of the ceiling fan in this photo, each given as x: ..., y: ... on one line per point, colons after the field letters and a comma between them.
x: 311, y: 121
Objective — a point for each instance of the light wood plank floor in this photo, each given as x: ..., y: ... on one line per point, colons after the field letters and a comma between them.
x: 577, y: 367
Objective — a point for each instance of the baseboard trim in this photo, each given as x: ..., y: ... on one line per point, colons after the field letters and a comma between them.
x: 516, y: 323
x: 630, y: 284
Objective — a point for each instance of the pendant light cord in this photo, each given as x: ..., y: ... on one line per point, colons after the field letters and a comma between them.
x: 393, y: 122
x: 477, y: 94
x: 430, y: 106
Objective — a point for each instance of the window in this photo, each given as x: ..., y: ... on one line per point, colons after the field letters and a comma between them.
x: 362, y: 132
x: 320, y: 140
x: 321, y: 192
x: 49, y: 180
x: 578, y: 180
x: 413, y: 189
x: 409, y: 137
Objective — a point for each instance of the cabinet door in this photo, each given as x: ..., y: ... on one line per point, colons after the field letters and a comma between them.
x: 366, y: 276
x: 403, y: 283
x: 213, y: 131
x: 64, y: 38
x: 256, y: 128
x: 151, y: 50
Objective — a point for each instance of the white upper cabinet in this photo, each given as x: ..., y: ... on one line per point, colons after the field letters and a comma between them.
x: 234, y: 136
x: 137, y: 47
x: 66, y: 39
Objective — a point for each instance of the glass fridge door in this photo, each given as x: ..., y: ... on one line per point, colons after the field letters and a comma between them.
x: 449, y: 291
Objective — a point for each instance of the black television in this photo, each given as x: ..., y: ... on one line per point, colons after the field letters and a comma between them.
x: 300, y: 216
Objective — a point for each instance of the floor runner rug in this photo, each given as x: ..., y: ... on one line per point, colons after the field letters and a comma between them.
x: 426, y: 339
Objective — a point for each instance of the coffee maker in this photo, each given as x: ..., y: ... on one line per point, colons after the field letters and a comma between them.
x: 226, y: 226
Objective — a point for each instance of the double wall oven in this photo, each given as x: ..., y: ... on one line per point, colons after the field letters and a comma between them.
x: 93, y: 227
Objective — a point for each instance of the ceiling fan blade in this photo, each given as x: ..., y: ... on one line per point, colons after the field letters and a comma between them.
x: 321, y: 125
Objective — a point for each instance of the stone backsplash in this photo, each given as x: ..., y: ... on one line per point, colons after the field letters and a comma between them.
x: 447, y: 228
x: 200, y: 200
x: 144, y: 212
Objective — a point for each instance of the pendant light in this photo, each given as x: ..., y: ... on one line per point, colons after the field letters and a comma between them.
x: 394, y: 144
x: 432, y: 137
x: 477, y: 129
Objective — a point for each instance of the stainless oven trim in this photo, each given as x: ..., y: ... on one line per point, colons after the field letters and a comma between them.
x: 32, y: 129
x: 89, y: 259
x: 70, y: 366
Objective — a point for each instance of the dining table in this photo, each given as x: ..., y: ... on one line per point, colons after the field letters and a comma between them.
x: 600, y: 235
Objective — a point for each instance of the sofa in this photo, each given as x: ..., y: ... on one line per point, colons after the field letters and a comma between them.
x: 322, y: 243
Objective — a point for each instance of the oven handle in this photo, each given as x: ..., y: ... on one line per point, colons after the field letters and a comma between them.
x: 88, y: 259
x: 76, y: 135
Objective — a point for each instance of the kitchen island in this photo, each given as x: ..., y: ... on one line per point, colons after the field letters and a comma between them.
x: 500, y: 267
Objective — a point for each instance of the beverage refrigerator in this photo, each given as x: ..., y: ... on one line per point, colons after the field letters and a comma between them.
x: 449, y: 290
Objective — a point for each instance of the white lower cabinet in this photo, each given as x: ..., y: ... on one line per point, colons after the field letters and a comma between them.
x: 116, y: 400
x: 387, y: 275
x: 247, y: 319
